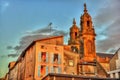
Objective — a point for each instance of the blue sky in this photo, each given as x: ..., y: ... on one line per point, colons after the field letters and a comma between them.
x: 21, y: 21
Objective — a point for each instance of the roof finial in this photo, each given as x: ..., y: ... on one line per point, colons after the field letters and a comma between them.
x: 74, y: 22
x: 85, y: 8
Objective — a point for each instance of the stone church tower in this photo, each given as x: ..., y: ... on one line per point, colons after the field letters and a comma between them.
x: 84, y: 38
x: 87, y: 36
x: 74, y: 37
x: 74, y: 34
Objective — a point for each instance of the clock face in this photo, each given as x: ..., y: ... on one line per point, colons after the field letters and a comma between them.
x: 71, y: 63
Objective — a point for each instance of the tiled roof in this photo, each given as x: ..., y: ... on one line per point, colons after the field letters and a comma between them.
x: 49, y: 37
x: 105, y: 55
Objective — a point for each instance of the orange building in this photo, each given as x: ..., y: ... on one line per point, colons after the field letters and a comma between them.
x: 40, y: 58
x: 50, y: 55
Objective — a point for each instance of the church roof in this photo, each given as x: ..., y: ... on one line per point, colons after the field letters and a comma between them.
x: 74, y: 26
x: 104, y: 55
x: 49, y: 37
x: 41, y: 39
x: 86, y: 14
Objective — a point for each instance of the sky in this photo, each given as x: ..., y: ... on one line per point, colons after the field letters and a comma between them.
x: 22, y: 21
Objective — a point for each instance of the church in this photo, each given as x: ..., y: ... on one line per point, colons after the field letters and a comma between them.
x: 51, y: 55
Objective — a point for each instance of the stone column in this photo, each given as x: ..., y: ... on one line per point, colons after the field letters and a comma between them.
x: 83, y: 70
x: 116, y: 75
x: 111, y: 75
x: 95, y: 69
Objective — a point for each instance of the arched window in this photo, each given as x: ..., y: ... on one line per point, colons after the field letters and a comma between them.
x: 88, y: 23
x: 75, y: 34
x: 74, y: 49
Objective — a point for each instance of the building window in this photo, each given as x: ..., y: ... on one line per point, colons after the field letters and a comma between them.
x: 43, y: 57
x: 43, y: 71
x: 55, y: 58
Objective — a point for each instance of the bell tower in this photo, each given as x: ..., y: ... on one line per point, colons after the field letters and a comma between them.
x: 88, y: 36
x: 87, y: 64
x: 74, y: 34
x: 74, y: 38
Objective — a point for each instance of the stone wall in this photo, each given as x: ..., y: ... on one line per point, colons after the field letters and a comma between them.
x: 113, y: 62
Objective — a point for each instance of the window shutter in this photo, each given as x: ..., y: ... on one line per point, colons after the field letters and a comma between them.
x: 51, y: 69
x: 39, y: 57
x: 47, y: 57
x: 59, y: 69
x: 52, y: 56
x: 39, y: 70
x: 46, y: 70
x: 59, y: 59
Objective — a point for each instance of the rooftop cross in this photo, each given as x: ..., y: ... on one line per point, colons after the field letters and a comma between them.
x: 85, y: 8
x: 74, y: 22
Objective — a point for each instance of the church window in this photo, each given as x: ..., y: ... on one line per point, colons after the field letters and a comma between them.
x: 74, y: 49
x: 75, y: 34
x: 81, y: 22
x: 88, y: 23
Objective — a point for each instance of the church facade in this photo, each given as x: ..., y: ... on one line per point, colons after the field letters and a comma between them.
x: 50, y: 55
